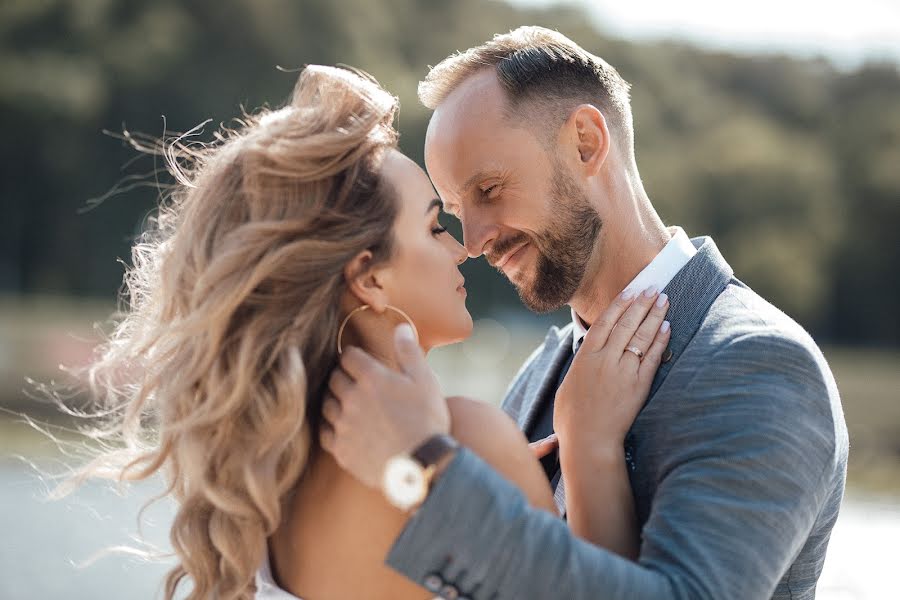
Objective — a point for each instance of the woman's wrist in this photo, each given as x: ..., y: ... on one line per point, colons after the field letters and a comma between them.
x: 594, y: 453
x: 442, y: 464
x: 581, y: 433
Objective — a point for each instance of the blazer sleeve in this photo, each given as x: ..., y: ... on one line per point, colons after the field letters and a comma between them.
x: 740, y: 491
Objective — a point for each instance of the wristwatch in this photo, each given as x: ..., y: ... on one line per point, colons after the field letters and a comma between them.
x: 407, y: 477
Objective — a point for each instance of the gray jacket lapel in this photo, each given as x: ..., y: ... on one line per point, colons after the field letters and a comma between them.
x: 691, y: 294
x: 541, y: 389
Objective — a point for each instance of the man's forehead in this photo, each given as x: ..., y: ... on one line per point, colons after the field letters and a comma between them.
x: 479, y: 99
x: 481, y: 86
x: 463, y: 133
x: 455, y: 165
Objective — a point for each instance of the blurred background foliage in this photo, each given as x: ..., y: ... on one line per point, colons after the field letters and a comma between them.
x: 793, y: 166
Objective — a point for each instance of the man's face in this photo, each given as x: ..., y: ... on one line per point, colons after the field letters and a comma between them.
x: 518, y: 203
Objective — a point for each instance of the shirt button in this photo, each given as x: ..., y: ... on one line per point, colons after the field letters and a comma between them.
x: 667, y: 355
x: 433, y: 583
x: 629, y: 452
x: 448, y: 592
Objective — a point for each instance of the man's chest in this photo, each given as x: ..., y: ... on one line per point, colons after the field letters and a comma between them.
x: 662, y: 432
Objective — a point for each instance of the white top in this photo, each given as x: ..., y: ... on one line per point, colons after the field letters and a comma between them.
x: 266, y: 588
x: 661, y: 270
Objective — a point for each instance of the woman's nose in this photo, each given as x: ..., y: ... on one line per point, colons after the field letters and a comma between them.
x: 461, y: 254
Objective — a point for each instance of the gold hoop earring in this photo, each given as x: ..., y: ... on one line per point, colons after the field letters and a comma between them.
x: 359, y: 309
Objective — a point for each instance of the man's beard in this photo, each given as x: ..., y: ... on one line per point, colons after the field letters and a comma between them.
x: 564, y: 247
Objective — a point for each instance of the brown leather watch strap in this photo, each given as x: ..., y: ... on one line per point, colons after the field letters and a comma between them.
x: 433, y: 449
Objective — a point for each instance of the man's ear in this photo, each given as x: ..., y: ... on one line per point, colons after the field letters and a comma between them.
x: 364, y: 281
x: 590, y: 135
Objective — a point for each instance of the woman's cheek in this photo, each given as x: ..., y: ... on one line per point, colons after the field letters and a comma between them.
x: 422, y: 282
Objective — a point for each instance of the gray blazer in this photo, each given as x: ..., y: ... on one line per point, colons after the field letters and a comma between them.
x: 738, y: 462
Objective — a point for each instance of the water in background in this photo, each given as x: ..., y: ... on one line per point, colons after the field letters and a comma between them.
x: 44, y: 542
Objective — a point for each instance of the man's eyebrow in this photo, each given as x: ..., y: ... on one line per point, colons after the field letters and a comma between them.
x: 434, y: 203
x: 471, y: 181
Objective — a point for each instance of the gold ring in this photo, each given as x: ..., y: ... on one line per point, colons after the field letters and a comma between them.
x: 636, y: 351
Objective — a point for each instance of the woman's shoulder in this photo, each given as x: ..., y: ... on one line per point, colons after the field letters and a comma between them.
x: 491, y: 434
x: 472, y: 416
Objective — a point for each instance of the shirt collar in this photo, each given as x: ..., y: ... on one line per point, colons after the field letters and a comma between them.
x: 661, y: 270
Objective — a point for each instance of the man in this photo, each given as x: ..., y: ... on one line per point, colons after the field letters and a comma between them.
x: 737, y: 460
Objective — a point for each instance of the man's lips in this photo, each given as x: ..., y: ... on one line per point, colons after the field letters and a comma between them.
x: 506, y: 257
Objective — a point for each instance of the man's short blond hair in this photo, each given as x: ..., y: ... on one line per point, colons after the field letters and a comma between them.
x: 544, y: 74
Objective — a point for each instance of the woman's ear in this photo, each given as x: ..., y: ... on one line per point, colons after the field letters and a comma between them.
x: 364, y: 281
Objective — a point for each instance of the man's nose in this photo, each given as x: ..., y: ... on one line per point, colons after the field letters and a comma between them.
x: 477, y: 234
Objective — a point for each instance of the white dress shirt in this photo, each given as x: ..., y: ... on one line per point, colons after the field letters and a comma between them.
x: 661, y: 270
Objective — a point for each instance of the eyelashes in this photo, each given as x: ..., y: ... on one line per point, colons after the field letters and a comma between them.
x: 438, y: 229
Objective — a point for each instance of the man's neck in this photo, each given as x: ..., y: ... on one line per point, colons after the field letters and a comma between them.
x: 620, y: 255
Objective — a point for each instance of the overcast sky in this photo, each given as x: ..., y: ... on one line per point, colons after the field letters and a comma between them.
x: 846, y: 32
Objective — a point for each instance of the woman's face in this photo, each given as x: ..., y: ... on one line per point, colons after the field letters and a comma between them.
x: 422, y: 277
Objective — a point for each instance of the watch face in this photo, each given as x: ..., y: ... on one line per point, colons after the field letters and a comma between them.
x: 404, y: 482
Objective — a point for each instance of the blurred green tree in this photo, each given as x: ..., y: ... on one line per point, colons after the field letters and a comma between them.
x: 792, y: 165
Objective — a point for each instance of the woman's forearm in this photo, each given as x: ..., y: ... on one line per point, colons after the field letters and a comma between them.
x: 599, y: 500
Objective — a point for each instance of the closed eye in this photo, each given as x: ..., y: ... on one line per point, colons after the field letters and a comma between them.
x: 491, y: 192
x: 436, y: 205
x: 437, y: 228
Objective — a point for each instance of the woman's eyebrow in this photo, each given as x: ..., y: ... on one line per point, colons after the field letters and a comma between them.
x: 434, y: 203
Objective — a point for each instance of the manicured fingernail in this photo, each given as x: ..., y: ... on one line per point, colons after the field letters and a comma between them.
x: 405, y: 333
x: 628, y: 294
x: 665, y: 327
x: 661, y: 301
x: 650, y: 291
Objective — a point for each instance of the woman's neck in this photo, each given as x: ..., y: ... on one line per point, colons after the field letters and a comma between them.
x: 374, y: 333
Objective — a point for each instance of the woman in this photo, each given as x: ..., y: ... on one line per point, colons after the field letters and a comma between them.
x: 273, y: 243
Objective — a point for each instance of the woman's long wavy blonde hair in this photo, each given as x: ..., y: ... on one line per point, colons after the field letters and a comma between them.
x: 214, y: 372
